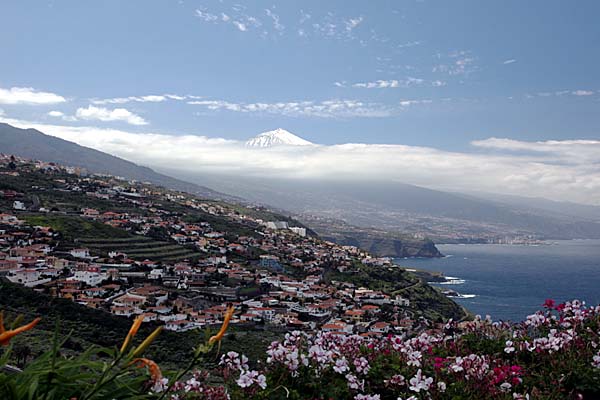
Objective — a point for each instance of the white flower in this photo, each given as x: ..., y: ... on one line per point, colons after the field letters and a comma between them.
x: 362, y: 365
x: 414, y: 358
x: 420, y: 382
x: 441, y: 386
x: 354, y: 383
x: 341, y: 365
x: 160, y: 385
x: 245, y: 380
x: 509, y: 347
x: 505, y: 387
x: 457, y: 365
x: 249, y: 378
x: 192, y: 384
x: 261, y: 380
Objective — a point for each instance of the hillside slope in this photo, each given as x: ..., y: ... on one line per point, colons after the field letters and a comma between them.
x: 31, y: 143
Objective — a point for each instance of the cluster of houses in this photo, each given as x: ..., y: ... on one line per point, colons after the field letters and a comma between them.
x: 274, y: 273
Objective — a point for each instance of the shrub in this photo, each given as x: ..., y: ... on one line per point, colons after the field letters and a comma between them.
x: 553, y: 354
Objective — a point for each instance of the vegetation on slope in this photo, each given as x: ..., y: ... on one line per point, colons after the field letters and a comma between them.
x: 88, y: 326
x: 553, y: 355
x: 426, y: 301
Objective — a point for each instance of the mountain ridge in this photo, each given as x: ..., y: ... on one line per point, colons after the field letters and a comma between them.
x: 33, y: 144
x: 396, y: 207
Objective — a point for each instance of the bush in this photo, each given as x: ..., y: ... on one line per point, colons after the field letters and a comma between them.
x: 554, y: 354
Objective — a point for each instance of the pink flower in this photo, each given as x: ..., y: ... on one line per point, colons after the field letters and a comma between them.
x: 549, y: 304
x: 397, y: 380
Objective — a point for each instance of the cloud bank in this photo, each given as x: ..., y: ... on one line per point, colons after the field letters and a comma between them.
x: 561, y: 170
x: 104, y: 114
x: 30, y: 96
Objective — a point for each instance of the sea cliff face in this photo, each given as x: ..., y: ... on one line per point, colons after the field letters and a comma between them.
x: 388, y: 246
x: 378, y: 242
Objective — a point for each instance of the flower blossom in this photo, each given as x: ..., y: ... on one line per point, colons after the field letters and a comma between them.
x: 7, y: 335
x: 420, y: 382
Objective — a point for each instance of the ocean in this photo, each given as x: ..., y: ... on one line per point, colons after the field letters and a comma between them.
x: 510, y: 282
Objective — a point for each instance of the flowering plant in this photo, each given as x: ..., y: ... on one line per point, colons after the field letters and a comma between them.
x: 553, y: 354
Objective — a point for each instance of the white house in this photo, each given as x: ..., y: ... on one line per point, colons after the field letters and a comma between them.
x: 80, y: 253
x: 92, y: 276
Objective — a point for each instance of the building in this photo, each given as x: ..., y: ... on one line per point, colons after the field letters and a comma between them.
x: 298, y: 231
x: 270, y: 262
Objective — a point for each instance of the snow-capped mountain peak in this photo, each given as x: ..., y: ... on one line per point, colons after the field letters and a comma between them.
x: 278, y: 137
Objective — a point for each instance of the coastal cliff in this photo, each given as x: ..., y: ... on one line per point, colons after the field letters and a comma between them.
x: 389, y: 246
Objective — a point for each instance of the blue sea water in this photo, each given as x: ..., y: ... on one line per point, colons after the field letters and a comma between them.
x: 510, y: 282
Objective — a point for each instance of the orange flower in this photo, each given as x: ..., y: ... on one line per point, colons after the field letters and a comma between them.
x: 132, y: 331
x: 153, y: 367
x: 144, y: 345
x: 6, y: 335
x: 221, y: 333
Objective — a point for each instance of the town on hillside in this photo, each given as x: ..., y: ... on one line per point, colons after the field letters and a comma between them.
x: 130, y: 248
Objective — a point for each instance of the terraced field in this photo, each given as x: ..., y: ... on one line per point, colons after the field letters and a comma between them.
x: 139, y: 248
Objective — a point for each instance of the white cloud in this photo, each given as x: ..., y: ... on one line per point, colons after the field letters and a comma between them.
x: 553, y: 169
x: 277, y: 25
x: 587, y: 151
x: 458, y: 63
x: 238, y: 19
x: 512, y: 60
x: 206, y: 16
x: 380, y: 84
x: 105, y: 114
x: 392, y: 83
x: 583, y: 92
x: 560, y: 93
x: 152, y: 98
x: 352, y: 23
x: 407, y: 103
x: 335, y: 108
x: 409, y: 44
x: 241, y: 26
x: 61, y: 115
x: 27, y: 95
x: 304, y: 16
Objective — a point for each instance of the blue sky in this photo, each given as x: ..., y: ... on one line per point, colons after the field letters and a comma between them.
x: 452, y: 63
x: 497, y: 96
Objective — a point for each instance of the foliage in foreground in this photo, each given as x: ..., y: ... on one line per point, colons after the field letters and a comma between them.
x: 554, y: 354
